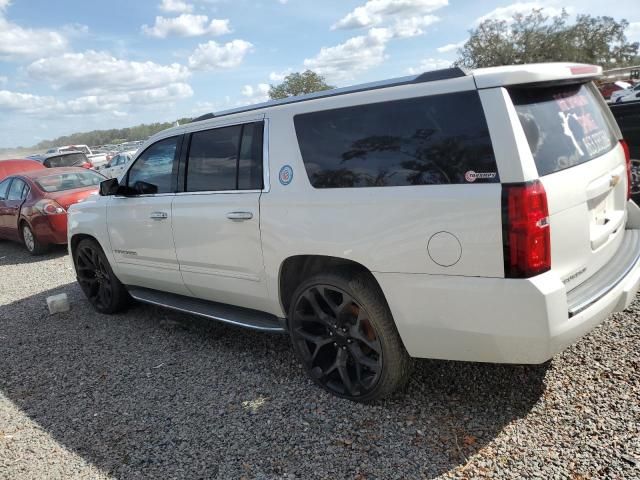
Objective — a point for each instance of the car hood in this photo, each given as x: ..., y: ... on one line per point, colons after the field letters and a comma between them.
x: 69, y: 197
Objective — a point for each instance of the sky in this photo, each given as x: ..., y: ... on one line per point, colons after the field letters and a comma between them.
x: 77, y: 65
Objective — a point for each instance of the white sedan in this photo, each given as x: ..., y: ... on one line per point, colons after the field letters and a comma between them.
x: 626, y: 95
x: 117, y: 164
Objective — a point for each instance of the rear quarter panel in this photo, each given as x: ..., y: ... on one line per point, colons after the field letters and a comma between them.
x: 386, y: 229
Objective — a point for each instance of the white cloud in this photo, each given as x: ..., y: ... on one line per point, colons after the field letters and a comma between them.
x: 278, y: 77
x: 26, y: 102
x: 357, y: 54
x: 18, y: 42
x: 99, y: 72
x: 451, y: 47
x: 506, y: 13
x: 187, y: 25
x: 4, y: 4
x: 46, y: 106
x: 257, y: 94
x: 413, y: 26
x: 429, y: 64
x: 175, y: 6
x: 376, y: 12
x: 213, y: 56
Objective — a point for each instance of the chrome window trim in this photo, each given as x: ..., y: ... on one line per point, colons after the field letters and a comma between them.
x: 211, y: 192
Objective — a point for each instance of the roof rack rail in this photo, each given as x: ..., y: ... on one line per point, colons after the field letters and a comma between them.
x: 432, y: 76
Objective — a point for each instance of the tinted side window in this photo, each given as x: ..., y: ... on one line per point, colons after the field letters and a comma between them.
x: 213, y: 158
x: 250, y: 163
x: 4, y: 186
x: 226, y: 158
x: 439, y: 139
x: 157, y: 166
x: 16, y: 190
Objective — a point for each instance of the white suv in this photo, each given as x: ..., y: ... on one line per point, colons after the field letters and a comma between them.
x: 479, y: 216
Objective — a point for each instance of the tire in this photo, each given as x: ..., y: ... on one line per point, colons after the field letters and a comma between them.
x: 30, y: 241
x: 343, y: 333
x: 96, y: 278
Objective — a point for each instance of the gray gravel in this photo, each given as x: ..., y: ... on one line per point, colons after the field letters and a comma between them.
x: 157, y: 394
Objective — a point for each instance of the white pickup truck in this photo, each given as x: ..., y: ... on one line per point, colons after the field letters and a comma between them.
x: 98, y: 160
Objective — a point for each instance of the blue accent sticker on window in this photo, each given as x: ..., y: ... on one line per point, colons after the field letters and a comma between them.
x: 286, y: 175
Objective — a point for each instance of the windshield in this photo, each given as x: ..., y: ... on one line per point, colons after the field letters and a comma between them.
x: 76, y: 149
x: 564, y: 125
x: 70, y: 160
x: 68, y: 181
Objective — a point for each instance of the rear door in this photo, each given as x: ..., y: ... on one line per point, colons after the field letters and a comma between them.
x: 4, y: 190
x: 216, y: 219
x: 10, y: 210
x: 583, y: 169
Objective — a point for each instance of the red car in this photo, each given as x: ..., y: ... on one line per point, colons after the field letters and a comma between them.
x: 9, y: 167
x: 33, y: 205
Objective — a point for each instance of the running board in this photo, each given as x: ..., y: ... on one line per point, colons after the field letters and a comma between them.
x: 242, y: 317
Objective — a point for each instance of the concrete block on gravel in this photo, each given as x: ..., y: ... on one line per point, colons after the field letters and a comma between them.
x: 58, y: 303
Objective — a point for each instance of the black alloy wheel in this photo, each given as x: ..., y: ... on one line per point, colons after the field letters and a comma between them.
x: 97, y: 280
x: 348, y: 346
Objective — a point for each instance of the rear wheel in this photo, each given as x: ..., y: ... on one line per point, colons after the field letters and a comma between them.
x: 343, y: 333
x: 31, y: 242
x: 98, y: 282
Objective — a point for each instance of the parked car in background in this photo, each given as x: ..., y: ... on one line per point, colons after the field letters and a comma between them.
x: 97, y: 160
x: 376, y: 223
x: 608, y: 88
x: 626, y: 95
x: 117, y: 164
x: 33, y: 205
x: 9, y: 167
x: 66, y: 159
x: 627, y: 114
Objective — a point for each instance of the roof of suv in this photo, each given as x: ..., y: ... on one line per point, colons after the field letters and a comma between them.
x: 484, y: 78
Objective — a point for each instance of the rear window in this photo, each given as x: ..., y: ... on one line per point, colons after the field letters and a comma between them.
x: 70, y: 160
x: 564, y: 125
x: 69, y: 181
x: 441, y: 139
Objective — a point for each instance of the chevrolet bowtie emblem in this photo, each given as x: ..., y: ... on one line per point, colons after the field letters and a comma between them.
x: 615, y: 179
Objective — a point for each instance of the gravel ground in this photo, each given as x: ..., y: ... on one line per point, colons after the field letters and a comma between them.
x: 157, y: 394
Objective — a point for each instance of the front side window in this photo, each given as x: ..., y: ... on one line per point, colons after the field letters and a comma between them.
x: 16, y: 190
x: 441, y: 139
x: 226, y: 158
x: 156, y: 167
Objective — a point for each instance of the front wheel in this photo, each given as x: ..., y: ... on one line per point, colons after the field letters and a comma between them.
x: 344, y: 334
x: 98, y: 282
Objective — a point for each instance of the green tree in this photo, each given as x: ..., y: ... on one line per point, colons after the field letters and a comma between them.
x: 299, y: 84
x: 536, y: 37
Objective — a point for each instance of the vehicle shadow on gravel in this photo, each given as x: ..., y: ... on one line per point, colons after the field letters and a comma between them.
x: 152, y: 393
x: 12, y: 253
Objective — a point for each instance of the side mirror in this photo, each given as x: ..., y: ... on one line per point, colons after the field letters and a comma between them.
x: 109, y: 187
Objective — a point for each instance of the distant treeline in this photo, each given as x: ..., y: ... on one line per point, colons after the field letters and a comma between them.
x: 114, y: 135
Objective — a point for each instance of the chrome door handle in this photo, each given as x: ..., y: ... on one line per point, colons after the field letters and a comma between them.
x: 158, y: 215
x: 239, y: 215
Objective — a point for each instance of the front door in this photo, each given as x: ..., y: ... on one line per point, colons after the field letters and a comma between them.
x: 139, y: 224
x: 216, y: 222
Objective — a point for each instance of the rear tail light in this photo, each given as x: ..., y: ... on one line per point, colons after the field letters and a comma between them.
x: 49, y: 207
x: 525, y: 230
x: 86, y: 165
x: 627, y: 158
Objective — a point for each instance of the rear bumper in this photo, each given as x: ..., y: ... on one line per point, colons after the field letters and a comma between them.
x: 50, y: 229
x: 502, y: 320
